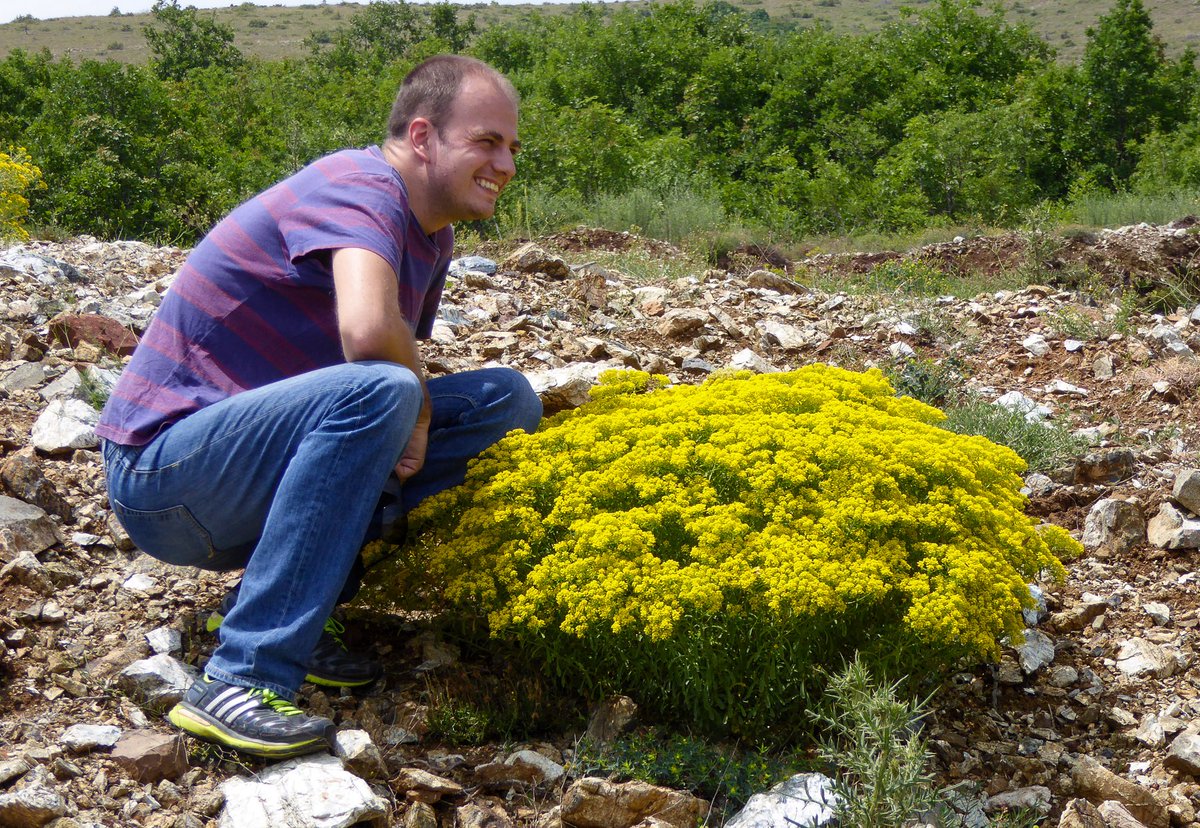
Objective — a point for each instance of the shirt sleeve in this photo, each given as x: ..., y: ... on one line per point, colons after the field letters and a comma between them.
x: 356, y: 210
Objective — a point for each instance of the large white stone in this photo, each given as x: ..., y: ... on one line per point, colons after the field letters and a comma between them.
x: 1139, y: 657
x: 311, y: 792
x: 806, y: 800
x: 66, y: 424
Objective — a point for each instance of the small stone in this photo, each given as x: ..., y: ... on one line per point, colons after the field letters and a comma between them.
x: 1106, y: 466
x: 1035, y: 652
x: 746, y: 359
x: 1036, y: 345
x: 65, y: 425
x: 1035, y: 798
x: 82, y: 738
x: 1160, y: 614
x: 316, y: 785
x: 24, y: 528
x: 150, y: 757
x: 1139, y: 657
x: 1116, y: 815
x: 1169, y: 529
x: 1103, y: 368
x: 1115, y: 525
x: 165, y: 640
x: 1184, y: 753
x: 159, y: 681
x: 1186, y: 490
x: 1097, y: 783
x: 30, y: 807
x: 361, y: 756
x: 530, y: 258
x: 1079, y: 813
x: 600, y: 803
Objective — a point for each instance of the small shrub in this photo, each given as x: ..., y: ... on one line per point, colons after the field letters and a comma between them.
x: 18, y: 176
x: 116, y: 46
x: 909, y: 276
x: 871, y: 735
x: 1043, y: 446
x: 722, y: 775
x: 933, y: 383
x: 709, y: 549
x: 94, y: 392
x: 257, y: 23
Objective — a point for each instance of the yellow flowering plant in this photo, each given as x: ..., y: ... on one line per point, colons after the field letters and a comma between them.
x: 18, y: 176
x: 712, y: 549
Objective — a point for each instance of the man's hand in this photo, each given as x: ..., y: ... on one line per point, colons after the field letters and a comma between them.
x: 372, y: 327
x: 414, y: 453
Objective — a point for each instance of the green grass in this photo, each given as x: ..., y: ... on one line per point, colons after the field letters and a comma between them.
x: 1043, y: 446
x: 1122, y: 209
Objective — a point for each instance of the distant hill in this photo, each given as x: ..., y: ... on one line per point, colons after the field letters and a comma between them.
x: 276, y: 32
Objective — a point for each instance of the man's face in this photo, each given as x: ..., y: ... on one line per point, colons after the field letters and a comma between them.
x: 472, y: 158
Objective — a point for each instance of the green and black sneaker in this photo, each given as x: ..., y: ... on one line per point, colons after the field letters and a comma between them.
x: 250, y: 720
x: 331, y: 664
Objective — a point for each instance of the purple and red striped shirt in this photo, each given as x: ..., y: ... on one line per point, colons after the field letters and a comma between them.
x: 254, y: 303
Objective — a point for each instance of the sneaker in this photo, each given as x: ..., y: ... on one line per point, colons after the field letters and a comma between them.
x: 250, y: 720
x: 331, y: 663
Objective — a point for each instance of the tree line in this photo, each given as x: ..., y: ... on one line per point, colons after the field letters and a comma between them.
x: 950, y: 115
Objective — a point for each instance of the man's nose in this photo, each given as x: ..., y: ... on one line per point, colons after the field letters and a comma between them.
x: 505, y: 162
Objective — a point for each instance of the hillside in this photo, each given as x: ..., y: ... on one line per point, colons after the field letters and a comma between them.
x: 276, y: 32
x: 1099, y: 704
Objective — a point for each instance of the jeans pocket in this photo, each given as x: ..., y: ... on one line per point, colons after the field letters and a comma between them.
x: 171, y: 535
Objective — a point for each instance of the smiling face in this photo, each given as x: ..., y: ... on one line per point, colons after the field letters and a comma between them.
x: 470, y: 157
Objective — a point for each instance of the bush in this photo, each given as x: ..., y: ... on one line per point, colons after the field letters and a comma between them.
x: 1043, y: 446
x: 709, y: 549
x: 18, y: 176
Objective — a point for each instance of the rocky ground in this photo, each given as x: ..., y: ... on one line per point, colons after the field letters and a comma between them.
x: 1100, y: 705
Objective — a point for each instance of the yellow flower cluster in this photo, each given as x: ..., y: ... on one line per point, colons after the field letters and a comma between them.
x: 795, y: 500
x: 18, y: 176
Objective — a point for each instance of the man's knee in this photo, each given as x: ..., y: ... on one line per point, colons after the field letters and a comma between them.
x: 521, y: 402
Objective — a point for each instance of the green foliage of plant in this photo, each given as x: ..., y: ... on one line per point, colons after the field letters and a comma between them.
x: 1043, y: 446
x: 707, y: 549
x: 931, y: 382
x: 871, y: 735
x: 722, y: 775
x: 94, y: 392
x: 908, y: 276
x: 458, y: 723
x: 18, y: 176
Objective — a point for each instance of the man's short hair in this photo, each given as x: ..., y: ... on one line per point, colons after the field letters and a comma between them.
x: 429, y: 90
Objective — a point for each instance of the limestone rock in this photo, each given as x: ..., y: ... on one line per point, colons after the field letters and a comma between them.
x: 159, y: 681
x: 1036, y: 345
x: 302, y: 793
x: 360, y: 755
x: 773, y: 281
x: 1079, y: 813
x: 30, y: 807
x: 1035, y: 652
x: 566, y: 387
x: 680, y: 322
x: 788, y: 337
x: 66, y: 425
x: 746, y: 359
x: 1099, y: 784
x: 610, y: 719
x: 599, y: 803
x: 473, y: 815
x: 1169, y: 529
x: 1115, y: 525
x: 544, y: 770
x: 1186, y: 490
x: 1117, y: 815
x: 1035, y: 798
x: 805, y: 800
x: 530, y: 258
x: 420, y: 815
x: 82, y: 738
x: 1139, y: 657
x: 1184, y: 753
x: 1106, y: 466
x: 423, y: 785
x: 23, y: 528
x: 150, y: 757
x: 22, y: 475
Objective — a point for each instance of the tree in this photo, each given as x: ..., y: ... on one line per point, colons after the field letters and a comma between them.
x: 182, y: 41
x: 1129, y: 89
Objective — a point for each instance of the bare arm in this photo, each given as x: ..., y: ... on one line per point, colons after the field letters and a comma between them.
x: 372, y: 327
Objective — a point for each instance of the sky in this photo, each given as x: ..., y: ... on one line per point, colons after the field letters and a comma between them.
x: 46, y: 9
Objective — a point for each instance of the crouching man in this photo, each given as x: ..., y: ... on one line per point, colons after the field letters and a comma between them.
x: 279, y: 388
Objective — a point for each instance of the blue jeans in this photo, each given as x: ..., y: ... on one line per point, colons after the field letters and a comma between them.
x: 283, y: 480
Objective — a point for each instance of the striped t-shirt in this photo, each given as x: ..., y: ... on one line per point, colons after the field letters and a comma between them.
x: 254, y: 303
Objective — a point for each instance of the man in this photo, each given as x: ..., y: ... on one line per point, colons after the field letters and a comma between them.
x: 280, y: 386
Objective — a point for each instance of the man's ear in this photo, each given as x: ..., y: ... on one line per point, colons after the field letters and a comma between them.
x: 420, y: 137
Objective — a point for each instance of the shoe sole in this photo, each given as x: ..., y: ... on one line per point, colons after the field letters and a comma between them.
x: 199, y: 724
x: 216, y: 619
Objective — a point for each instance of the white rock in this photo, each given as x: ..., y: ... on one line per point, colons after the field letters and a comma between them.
x: 1072, y: 345
x: 1064, y: 388
x: 139, y: 582
x: 1139, y: 657
x: 165, y: 640
x: 1186, y: 490
x: 566, y: 387
x: 81, y: 738
x: 900, y: 350
x: 1016, y: 401
x: 806, y: 800
x: 66, y: 424
x: 1117, y: 525
x: 1035, y: 652
x: 549, y: 770
x: 360, y: 755
x: 1036, y: 344
x: 789, y: 337
x: 746, y: 359
x: 302, y: 793
x: 1169, y: 529
x: 1160, y: 614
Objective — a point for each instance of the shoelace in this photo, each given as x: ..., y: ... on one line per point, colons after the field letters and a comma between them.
x: 281, y: 706
x: 335, y: 629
